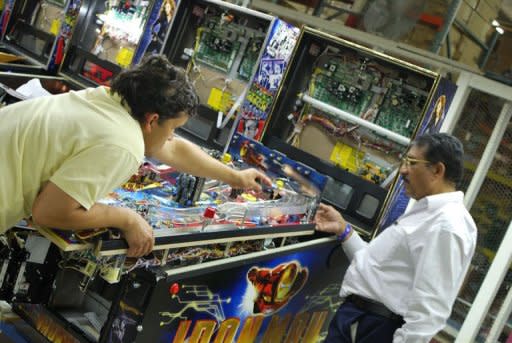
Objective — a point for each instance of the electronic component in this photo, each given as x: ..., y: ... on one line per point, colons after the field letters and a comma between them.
x: 188, y: 188
x: 250, y: 57
x: 218, y: 46
x: 366, y: 89
x: 225, y: 40
x: 28, y: 265
x: 394, y: 103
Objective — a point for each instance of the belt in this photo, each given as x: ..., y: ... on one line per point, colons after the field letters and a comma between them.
x: 374, y: 307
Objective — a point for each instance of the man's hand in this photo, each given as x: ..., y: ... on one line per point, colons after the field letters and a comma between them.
x: 187, y: 157
x: 250, y: 179
x: 329, y: 220
x: 138, y: 235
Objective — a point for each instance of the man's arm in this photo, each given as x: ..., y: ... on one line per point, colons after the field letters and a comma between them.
x: 329, y: 220
x: 68, y: 200
x: 189, y: 158
x: 439, y: 270
x: 353, y: 244
x: 56, y: 209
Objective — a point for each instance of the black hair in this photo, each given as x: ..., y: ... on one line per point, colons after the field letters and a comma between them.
x: 445, y: 148
x: 156, y: 86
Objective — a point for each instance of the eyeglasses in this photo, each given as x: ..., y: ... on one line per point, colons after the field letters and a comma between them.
x: 409, y: 161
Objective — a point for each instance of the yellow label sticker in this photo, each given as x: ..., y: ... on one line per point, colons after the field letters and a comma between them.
x: 124, y: 57
x: 346, y: 157
x: 220, y: 100
x: 54, y: 29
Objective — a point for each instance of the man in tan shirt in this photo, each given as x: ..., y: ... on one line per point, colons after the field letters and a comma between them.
x: 60, y: 154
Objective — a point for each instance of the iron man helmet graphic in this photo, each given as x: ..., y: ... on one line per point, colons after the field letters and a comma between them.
x: 275, y: 287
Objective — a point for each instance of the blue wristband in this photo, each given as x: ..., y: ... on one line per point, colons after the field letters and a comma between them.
x: 342, y: 236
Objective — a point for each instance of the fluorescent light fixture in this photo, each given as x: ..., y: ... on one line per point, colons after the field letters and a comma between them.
x: 356, y: 120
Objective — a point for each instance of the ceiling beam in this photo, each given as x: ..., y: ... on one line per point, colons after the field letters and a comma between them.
x: 405, y: 51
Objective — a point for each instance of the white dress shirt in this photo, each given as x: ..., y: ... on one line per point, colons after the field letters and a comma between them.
x: 416, y: 266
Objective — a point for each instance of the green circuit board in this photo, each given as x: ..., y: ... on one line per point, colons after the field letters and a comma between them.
x: 401, y: 110
x: 218, y: 47
x: 251, y: 54
x: 228, y: 45
x: 354, y: 88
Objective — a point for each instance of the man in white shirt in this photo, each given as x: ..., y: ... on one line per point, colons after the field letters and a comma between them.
x: 401, y: 286
x: 61, y: 154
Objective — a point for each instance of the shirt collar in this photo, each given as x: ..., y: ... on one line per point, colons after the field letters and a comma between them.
x: 438, y: 200
x: 116, y: 98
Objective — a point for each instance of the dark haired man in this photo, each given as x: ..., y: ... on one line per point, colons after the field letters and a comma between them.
x: 402, y: 285
x: 60, y: 154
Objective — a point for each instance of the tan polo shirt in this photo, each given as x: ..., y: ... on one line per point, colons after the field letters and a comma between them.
x: 85, y: 142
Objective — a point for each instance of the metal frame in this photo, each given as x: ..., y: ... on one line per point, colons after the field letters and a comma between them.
x: 500, y: 265
x: 487, y: 158
x: 501, y: 319
x: 465, y: 83
x: 487, y: 292
x: 442, y: 35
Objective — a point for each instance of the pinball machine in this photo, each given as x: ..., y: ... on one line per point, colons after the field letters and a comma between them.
x: 38, y: 32
x: 233, y: 265
x: 114, y: 35
x: 226, y: 262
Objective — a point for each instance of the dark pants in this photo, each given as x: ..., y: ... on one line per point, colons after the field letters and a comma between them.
x: 371, y: 327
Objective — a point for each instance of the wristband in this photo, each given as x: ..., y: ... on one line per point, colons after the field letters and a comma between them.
x: 342, y: 236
